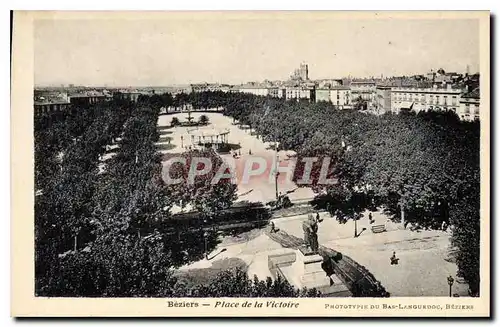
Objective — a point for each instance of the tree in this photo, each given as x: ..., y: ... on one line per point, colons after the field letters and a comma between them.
x: 203, y: 120
x: 207, y: 197
x: 236, y: 283
x: 346, y: 204
x: 360, y: 104
x: 175, y: 122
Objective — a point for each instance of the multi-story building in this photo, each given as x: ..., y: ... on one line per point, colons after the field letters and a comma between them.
x: 364, y: 89
x: 340, y: 96
x: 300, y: 92
x: 201, y: 87
x: 383, y: 98
x: 322, y: 95
x: 46, y: 107
x: 327, y: 83
x: 423, y: 99
x: 132, y: 96
x: 86, y: 99
x: 277, y: 92
x: 255, y: 89
x: 204, y: 87
x: 469, y: 108
x: 226, y: 88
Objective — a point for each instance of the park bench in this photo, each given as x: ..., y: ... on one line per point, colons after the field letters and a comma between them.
x: 378, y: 228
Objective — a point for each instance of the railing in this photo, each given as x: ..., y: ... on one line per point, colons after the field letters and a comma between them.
x: 356, y: 277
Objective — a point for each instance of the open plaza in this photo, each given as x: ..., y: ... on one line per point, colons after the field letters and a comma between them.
x: 247, y: 146
x: 423, y: 255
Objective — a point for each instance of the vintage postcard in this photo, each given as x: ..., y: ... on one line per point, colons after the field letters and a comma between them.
x: 314, y: 164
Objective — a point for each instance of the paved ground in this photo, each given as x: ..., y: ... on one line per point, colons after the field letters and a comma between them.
x: 254, y: 252
x: 422, y: 269
x: 258, y: 188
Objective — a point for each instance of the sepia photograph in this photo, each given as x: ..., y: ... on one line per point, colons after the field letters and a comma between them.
x: 230, y: 163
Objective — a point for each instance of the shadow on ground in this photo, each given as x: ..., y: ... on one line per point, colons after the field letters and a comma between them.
x: 228, y: 147
x: 164, y: 138
x: 164, y: 132
x: 165, y: 146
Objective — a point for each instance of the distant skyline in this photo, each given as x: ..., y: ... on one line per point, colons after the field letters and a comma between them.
x: 161, y: 52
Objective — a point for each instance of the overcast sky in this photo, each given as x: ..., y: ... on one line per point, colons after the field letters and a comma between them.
x: 176, y: 51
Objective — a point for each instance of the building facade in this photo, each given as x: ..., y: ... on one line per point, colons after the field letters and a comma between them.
x: 469, y: 108
x: 86, y: 99
x: 364, y: 89
x: 300, y: 93
x: 277, y: 92
x: 42, y: 108
x: 340, y: 96
x: 254, y: 89
x: 322, y: 95
x: 128, y: 95
x: 424, y: 99
x: 383, y: 98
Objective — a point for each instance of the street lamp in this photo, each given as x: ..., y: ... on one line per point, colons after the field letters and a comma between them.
x: 450, y: 282
x: 276, y: 173
x: 205, y: 235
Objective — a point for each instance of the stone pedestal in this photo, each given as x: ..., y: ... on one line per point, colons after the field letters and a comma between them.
x: 307, y: 270
x: 302, y: 268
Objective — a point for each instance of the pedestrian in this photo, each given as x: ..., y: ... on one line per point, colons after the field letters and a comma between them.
x: 444, y: 226
x: 394, y: 259
x: 318, y: 218
x: 370, y: 217
x: 273, y: 227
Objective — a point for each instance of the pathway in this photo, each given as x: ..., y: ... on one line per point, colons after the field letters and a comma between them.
x: 258, y: 188
x: 422, y: 268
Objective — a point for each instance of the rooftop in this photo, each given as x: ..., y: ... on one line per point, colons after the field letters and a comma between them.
x: 364, y: 81
x: 45, y: 102
x: 453, y: 89
x: 474, y: 94
x: 87, y: 94
x: 337, y: 87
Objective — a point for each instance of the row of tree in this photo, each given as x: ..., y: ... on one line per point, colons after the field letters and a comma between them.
x: 422, y: 168
x: 94, y: 214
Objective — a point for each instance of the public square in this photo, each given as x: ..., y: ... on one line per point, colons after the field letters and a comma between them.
x: 422, y: 269
x: 259, y: 188
x: 298, y: 167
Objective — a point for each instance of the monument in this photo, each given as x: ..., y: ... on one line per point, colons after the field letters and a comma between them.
x: 303, y: 267
x: 310, y: 228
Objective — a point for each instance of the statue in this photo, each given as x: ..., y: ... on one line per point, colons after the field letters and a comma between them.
x: 310, y: 227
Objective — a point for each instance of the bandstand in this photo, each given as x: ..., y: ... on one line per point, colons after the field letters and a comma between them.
x: 214, y: 137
